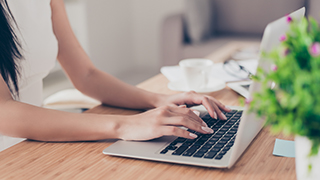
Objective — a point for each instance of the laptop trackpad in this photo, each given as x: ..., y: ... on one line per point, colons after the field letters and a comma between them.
x: 135, y: 148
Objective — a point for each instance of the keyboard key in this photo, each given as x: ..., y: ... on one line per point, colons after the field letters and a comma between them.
x: 164, y: 151
x: 199, y: 154
x: 232, y: 132
x: 217, y: 126
x: 189, y: 152
x: 233, y: 111
x: 180, y: 150
x: 214, y: 139
x: 218, y: 146
x: 173, y: 143
x: 211, y: 122
x: 234, y: 129
x: 226, y: 138
x: 171, y: 147
x: 218, y: 157
x: 226, y: 148
x: 186, y: 144
x: 210, y: 143
x: 217, y: 136
x: 210, y: 155
x: 222, y: 152
x: 199, y: 143
x: 214, y: 150
x: 207, y: 135
x: 220, y: 132
x: 179, y: 140
x: 207, y: 146
x: 204, y: 138
x: 222, y: 142
x: 195, y: 146
x: 214, y: 129
x: 202, y: 150
x: 206, y: 117
x: 229, y: 145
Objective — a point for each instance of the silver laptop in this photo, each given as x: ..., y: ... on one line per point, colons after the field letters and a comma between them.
x: 230, y: 138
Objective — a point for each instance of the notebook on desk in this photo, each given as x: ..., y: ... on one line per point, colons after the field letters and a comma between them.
x: 230, y: 138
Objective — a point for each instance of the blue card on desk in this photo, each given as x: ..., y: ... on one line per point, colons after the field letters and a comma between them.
x: 284, y: 148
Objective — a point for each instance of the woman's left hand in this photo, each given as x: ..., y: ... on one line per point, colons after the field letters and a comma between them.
x: 192, y: 98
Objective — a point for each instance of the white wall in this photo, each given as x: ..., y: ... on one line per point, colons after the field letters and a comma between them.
x: 109, y: 34
x: 77, y: 14
x: 148, y: 16
x: 125, y: 34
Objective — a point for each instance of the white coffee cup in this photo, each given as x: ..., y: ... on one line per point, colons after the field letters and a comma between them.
x: 196, y: 72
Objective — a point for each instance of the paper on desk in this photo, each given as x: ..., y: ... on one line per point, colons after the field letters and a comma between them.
x: 284, y: 148
x: 173, y: 73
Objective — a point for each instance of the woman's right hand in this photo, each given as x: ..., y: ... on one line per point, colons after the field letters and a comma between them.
x: 162, y: 121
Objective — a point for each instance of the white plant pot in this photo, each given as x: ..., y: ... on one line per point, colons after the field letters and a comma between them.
x: 303, y: 146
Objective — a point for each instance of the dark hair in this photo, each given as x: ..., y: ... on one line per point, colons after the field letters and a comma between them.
x: 9, y: 49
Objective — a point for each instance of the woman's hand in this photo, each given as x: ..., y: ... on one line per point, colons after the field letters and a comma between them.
x: 192, y: 98
x: 160, y: 122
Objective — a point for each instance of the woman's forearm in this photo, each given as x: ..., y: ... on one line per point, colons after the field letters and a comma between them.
x: 112, y: 91
x: 27, y: 121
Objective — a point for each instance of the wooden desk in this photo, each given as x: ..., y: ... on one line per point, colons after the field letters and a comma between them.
x: 84, y: 160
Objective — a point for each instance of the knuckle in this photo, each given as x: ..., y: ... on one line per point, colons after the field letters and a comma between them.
x: 181, y: 120
x: 172, y: 130
x: 190, y: 92
x: 205, y: 98
x: 161, y: 112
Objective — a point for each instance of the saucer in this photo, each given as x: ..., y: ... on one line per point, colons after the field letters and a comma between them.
x: 213, y: 85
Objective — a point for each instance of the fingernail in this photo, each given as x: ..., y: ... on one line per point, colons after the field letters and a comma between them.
x: 206, y: 129
x: 193, y: 135
x: 204, y: 124
x: 196, y: 112
x: 183, y: 106
x: 224, y: 117
x: 215, y: 115
x: 228, y: 109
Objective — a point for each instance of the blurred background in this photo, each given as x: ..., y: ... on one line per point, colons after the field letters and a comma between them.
x: 132, y: 39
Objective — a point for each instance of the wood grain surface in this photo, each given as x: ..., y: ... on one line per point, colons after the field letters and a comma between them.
x: 84, y: 160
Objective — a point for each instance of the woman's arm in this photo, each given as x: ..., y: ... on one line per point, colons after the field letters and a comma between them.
x: 85, y: 76
x: 23, y: 120
x: 18, y: 119
x: 102, y: 86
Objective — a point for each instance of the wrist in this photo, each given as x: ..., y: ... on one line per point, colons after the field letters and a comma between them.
x: 113, y: 126
x: 124, y: 126
x: 159, y: 100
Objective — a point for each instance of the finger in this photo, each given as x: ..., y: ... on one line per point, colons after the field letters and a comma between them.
x: 220, y: 105
x: 218, y: 111
x: 196, y: 112
x: 210, y: 104
x: 188, y: 123
x: 175, y: 131
x: 210, y: 108
x: 187, y: 112
x: 199, y: 99
x: 193, y: 110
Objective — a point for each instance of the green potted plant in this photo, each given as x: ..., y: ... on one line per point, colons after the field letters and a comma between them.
x: 292, y: 103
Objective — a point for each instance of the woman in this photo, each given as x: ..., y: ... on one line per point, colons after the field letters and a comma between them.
x: 45, y: 34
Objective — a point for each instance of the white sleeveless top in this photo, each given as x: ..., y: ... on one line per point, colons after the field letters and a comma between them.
x: 40, y: 50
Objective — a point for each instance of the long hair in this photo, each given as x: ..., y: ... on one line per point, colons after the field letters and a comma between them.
x: 9, y: 49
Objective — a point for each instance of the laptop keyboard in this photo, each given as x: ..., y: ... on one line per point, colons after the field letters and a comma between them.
x: 209, y: 146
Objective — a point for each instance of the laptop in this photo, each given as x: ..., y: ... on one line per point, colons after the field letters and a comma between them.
x: 230, y: 138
